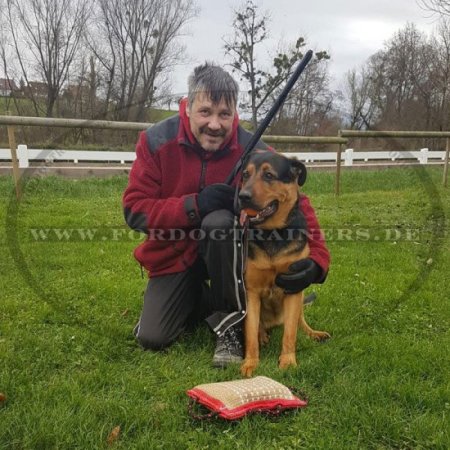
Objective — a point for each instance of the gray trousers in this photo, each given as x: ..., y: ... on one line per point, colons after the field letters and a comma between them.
x: 174, y: 302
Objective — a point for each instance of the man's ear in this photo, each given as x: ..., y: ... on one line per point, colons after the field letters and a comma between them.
x: 298, y: 170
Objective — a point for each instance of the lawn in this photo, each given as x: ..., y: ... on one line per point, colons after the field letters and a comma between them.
x: 71, y: 293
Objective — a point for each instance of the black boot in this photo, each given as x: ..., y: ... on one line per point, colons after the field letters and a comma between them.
x: 229, y: 347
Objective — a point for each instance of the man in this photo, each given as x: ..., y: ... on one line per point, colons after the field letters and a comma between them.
x: 176, y: 187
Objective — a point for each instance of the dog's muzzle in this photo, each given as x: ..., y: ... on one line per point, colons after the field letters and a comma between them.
x: 255, y: 216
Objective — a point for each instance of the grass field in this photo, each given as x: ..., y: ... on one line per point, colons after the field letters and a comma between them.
x: 7, y: 105
x: 71, y: 370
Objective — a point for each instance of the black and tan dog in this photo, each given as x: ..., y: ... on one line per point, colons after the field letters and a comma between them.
x: 269, y: 201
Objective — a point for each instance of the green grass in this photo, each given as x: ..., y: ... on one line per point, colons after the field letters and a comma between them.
x: 72, y: 371
x: 8, y: 104
x: 20, y: 106
x: 156, y: 115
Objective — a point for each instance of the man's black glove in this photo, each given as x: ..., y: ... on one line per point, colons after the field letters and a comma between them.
x: 301, y: 274
x: 214, y: 197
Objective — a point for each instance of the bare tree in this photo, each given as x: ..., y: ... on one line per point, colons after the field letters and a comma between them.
x: 250, y: 30
x: 309, y: 104
x: 4, y: 48
x: 397, y: 81
x: 441, y: 7
x: 406, y: 84
x: 136, y: 45
x: 359, y: 86
x: 440, y: 74
x: 45, y: 37
x: 79, y: 98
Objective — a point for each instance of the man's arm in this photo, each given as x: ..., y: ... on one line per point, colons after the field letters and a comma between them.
x: 318, y: 250
x: 313, y: 269
x: 143, y: 206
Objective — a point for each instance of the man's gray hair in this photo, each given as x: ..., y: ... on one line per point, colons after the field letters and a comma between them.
x: 215, y: 82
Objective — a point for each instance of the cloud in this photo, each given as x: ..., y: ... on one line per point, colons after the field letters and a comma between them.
x: 351, y: 30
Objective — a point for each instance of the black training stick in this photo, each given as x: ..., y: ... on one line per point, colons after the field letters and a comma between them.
x: 270, y: 115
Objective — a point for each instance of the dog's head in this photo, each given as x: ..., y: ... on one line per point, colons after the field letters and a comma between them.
x: 269, y: 188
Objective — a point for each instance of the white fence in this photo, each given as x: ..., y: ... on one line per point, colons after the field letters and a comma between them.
x: 25, y: 155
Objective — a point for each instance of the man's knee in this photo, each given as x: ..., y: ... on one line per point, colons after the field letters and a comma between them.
x: 218, y: 220
x: 155, y: 340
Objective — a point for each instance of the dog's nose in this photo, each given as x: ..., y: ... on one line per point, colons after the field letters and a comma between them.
x: 245, y: 196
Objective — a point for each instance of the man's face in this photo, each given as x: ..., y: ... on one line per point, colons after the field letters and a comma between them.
x: 211, y: 123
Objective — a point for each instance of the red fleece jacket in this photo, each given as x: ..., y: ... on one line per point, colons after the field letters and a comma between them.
x: 169, y: 171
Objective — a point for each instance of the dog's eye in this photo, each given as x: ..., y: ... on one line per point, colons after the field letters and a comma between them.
x: 269, y: 176
x: 245, y: 175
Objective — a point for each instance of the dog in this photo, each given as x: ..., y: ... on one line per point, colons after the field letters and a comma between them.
x: 268, y: 199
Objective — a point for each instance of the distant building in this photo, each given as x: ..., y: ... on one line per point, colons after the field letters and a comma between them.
x: 7, y: 87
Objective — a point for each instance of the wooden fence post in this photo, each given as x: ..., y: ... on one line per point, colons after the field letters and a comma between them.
x: 15, y: 161
x: 447, y: 151
x: 338, y: 169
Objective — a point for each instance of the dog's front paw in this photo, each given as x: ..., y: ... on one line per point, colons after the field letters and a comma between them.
x: 287, y: 360
x: 248, y: 366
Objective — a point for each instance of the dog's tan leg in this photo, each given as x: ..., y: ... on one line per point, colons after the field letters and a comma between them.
x: 313, y: 334
x: 251, y: 334
x: 292, y: 304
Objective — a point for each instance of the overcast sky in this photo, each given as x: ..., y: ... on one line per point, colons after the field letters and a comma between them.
x: 350, y: 30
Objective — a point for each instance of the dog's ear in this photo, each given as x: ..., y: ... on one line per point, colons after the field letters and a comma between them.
x: 298, y: 170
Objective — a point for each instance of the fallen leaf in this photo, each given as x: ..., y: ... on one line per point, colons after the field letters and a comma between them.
x: 2, y: 397
x: 114, y: 435
x: 125, y: 312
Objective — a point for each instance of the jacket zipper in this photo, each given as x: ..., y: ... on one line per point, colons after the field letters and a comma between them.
x: 204, y: 163
x: 203, y: 175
